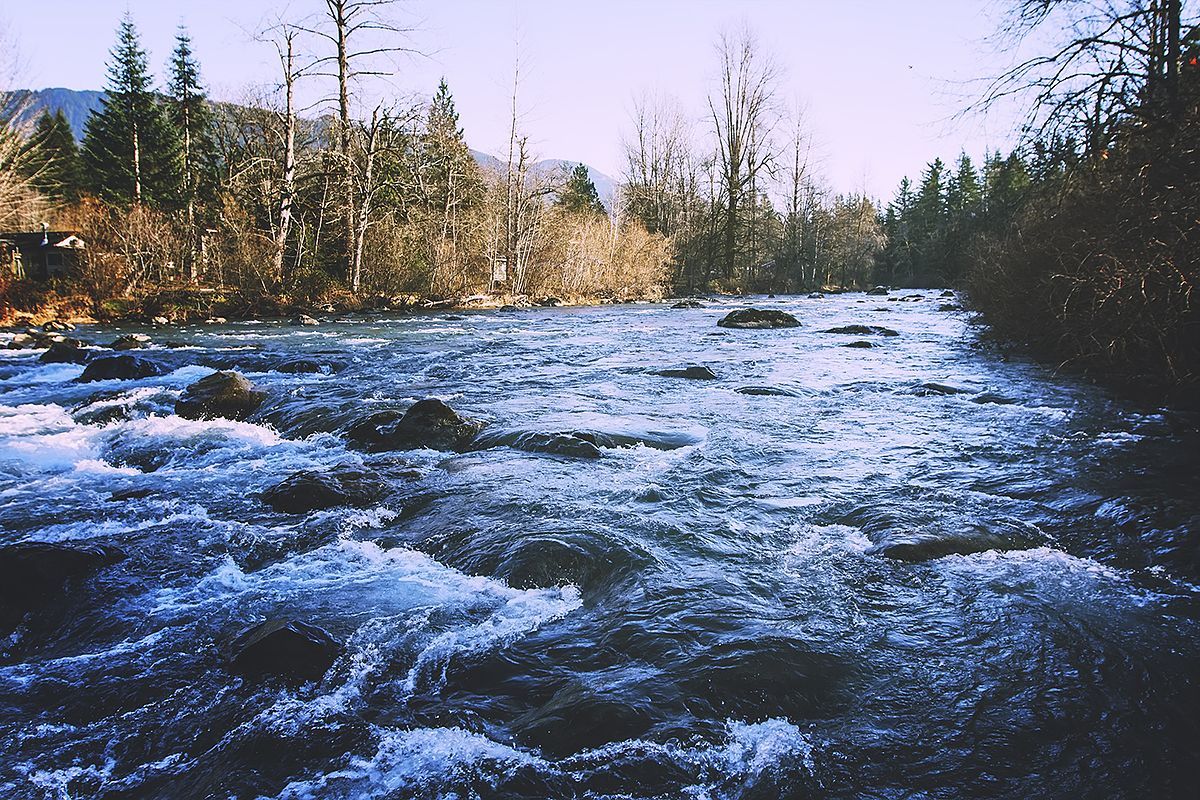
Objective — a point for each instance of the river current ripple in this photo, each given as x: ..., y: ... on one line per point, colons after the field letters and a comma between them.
x: 702, y: 612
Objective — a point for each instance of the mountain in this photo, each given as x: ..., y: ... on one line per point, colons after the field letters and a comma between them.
x: 26, y: 105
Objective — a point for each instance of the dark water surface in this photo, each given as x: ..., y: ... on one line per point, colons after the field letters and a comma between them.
x: 705, y: 611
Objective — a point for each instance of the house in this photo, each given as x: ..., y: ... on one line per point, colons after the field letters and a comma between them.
x: 40, y: 256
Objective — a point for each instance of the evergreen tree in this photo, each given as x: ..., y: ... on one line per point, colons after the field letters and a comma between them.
x: 53, y: 161
x: 189, y: 113
x: 451, y: 178
x: 579, y: 195
x: 131, y: 152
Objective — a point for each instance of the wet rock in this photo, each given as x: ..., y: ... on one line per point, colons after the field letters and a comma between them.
x: 863, y: 330
x: 694, y: 372
x: 428, y: 423
x: 308, y: 490
x: 302, y: 366
x: 508, y: 307
x: 861, y: 343
x: 947, y: 293
x: 131, y: 341
x: 932, y: 389
x: 993, y: 399
x: 129, y: 494
x: 35, y: 573
x: 68, y: 352
x: 774, y: 391
x: 160, y: 321
x: 758, y: 318
x: 928, y: 543
x: 222, y: 394
x: 949, y: 307
x: 816, y: 296
x: 326, y: 308
x: 56, y: 326
x: 287, y: 648
x: 878, y: 290
x: 305, y: 319
x: 22, y: 341
x: 124, y: 367
x: 550, y: 302
x: 688, y: 304
x: 215, y: 321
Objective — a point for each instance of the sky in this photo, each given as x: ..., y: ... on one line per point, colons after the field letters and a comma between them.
x: 880, y: 82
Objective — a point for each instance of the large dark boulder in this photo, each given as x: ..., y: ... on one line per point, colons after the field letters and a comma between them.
x: 427, y: 423
x: 878, y: 290
x: 308, y: 490
x: 863, y: 330
x: 287, y: 648
x: 68, y: 352
x: 35, y: 573
x: 758, y: 318
x: 222, y: 394
x: 123, y: 367
x: 693, y: 372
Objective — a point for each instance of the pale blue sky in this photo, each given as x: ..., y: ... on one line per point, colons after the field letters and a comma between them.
x: 880, y: 79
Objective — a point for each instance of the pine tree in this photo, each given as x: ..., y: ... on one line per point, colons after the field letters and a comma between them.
x: 131, y: 153
x: 189, y: 113
x: 53, y: 161
x: 579, y: 195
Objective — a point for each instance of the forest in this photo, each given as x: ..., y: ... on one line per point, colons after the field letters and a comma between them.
x: 1079, y: 242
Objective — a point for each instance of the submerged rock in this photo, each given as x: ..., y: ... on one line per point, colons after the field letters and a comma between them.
x: 35, y: 573
x: 758, y: 318
x: 131, y: 341
x: 222, y: 394
x: 427, y: 423
x: 287, y: 648
x: 932, y: 389
x: 122, y: 495
x: 774, y: 391
x: 68, y: 352
x: 862, y: 343
x: 949, y: 307
x: 694, y: 372
x: 123, y: 367
x: 863, y: 330
x: 927, y: 544
x: 308, y: 490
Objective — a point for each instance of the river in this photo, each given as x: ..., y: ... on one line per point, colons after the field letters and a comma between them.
x: 707, y: 610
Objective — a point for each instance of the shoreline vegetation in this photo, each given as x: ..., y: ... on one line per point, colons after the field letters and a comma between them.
x: 1081, y: 246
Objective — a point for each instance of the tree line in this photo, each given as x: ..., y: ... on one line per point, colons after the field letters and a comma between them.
x: 278, y: 205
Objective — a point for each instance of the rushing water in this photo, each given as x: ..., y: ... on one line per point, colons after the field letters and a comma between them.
x: 699, y: 613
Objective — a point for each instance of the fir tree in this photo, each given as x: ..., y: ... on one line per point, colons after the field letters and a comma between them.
x: 451, y: 176
x: 579, y: 195
x: 131, y: 152
x: 53, y: 161
x: 189, y: 113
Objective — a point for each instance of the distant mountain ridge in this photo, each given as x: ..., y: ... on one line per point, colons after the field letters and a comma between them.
x: 77, y: 105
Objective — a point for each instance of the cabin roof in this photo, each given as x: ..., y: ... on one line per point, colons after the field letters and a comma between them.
x: 30, y: 240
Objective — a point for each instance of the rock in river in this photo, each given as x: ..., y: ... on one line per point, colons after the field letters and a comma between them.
x: 308, y: 490
x: 688, y: 304
x: 123, y: 367
x: 131, y: 341
x: 863, y: 330
x: 758, y: 318
x: 427, y: 423
x: 68, y: 352
x: 863, y: 343
x: 222, y: 394
x: 694, y: 372
x: 285, y: 647
x: 929, y: 543
x: 34, y: 573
